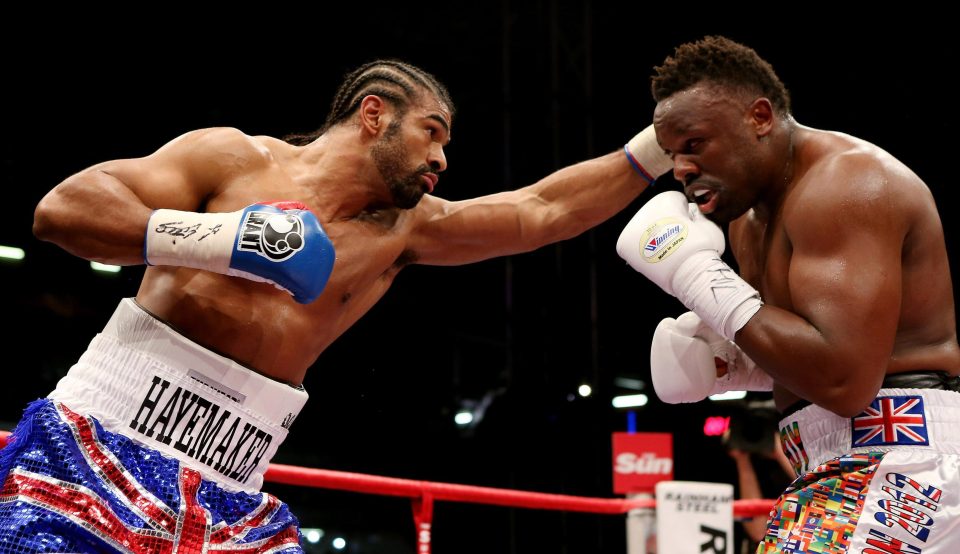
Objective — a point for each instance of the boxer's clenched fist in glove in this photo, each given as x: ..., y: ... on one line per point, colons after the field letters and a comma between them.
x: 678, y: 248
x: 281, y: 243
x: 684, y: 359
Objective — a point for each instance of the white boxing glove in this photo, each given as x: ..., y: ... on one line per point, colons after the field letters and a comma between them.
x: 683, y: 366
x: 678, y: 248
x: 646, y: 156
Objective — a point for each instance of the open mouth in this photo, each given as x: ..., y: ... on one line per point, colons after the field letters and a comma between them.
x: 706, y: 200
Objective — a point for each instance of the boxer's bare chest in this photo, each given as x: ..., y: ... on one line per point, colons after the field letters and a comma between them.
x: 370, y: 243
x: 763, y: 252
x: 370, y: 251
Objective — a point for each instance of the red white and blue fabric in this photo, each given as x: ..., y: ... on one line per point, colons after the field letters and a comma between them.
x: 891, y: 420
x: 71, y: 486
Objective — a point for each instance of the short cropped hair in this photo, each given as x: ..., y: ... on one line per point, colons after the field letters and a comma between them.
x: 719, y: 60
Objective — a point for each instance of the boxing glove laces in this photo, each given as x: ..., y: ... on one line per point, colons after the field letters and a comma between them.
x: 678, y: 248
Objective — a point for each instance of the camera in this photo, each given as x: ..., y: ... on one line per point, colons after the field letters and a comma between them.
x: 753, y: 427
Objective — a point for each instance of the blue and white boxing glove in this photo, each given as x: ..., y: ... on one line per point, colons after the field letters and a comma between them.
x: 678, y: 248
x: 281, y: 243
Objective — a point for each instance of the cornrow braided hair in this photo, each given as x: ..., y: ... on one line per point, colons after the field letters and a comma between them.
x: 396, y: 82
x: 720, y: 60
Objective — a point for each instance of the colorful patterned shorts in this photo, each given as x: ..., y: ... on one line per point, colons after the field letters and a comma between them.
x: 884, y: 482
x: 71, y: 486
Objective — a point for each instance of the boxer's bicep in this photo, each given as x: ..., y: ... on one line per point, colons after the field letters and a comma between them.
x: 453, y: 233
x: 183, y: 173
x: 851, y: 294
x: 100, y: 213
x: 560, y: 206
x: 845, y: 280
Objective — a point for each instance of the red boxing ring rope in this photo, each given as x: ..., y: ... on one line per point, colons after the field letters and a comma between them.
x: 424, y: 493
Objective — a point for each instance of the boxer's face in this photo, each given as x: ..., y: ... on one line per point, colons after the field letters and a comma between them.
x: 707, y: 132
x: 409, y: 155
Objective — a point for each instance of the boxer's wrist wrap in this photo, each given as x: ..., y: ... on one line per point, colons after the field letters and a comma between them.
x: 645, y: 155
x: 202, y: 244
x: 708, y: 286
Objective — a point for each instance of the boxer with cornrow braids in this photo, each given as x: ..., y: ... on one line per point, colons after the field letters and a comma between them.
x: 393, y: 80
x: 261, y: 252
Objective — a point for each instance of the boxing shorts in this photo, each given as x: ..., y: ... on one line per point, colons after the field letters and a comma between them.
x: 150, y: 443
x: 885, y: 481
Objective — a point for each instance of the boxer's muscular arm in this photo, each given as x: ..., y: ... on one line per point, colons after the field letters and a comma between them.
x: 561, y: 205
x: 101, y: 212
x: 833, y: 346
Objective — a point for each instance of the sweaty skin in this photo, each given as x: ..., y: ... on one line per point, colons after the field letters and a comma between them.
x: 843, y: 242
x: 101, y: 214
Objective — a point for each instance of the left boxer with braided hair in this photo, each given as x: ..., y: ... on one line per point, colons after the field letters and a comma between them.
x: 261, y: 252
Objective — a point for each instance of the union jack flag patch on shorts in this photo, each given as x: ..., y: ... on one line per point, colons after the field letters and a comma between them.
x: 75, y: 487
x: 891, y: 420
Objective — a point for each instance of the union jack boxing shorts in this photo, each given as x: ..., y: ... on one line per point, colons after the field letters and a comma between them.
x: 150, y: 444
x: 886, y: 481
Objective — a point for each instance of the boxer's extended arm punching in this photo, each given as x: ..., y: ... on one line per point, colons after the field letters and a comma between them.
x: 144, y: 210
x: 559, y: 206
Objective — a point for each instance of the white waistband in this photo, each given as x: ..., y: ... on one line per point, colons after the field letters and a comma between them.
x: 896, y: 419
x: 141, y: 378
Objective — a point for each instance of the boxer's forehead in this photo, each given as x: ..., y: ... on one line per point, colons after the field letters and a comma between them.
x: 700, y: 106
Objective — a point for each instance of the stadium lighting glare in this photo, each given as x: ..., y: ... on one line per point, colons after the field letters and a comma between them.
x: 630, y: 401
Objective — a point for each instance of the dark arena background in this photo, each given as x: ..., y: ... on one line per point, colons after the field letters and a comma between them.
x: 538, y: 86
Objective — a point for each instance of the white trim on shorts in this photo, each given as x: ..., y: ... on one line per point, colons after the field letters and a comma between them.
x: 823, y: 435
x: 141, y: 378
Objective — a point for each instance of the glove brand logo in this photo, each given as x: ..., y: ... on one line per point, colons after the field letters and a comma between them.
x: 271, y: 235
x: 645, y: 464
x: 661, y: 239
